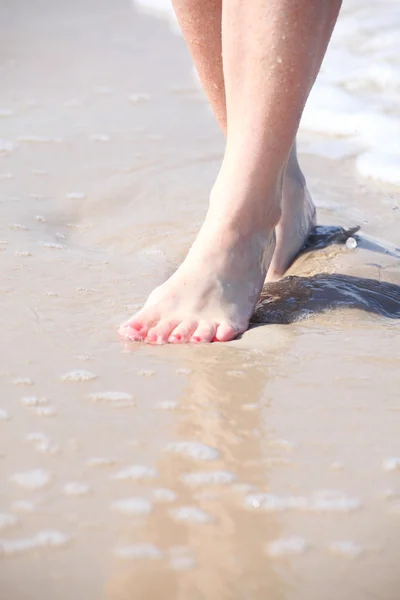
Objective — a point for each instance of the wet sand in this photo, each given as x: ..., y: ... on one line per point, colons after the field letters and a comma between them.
x: 266, y: 467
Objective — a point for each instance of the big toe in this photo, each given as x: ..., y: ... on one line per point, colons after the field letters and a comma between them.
x: 225, y: 333
x: 137, y: 327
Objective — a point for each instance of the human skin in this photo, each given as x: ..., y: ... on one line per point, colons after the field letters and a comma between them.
x: 257, y: 62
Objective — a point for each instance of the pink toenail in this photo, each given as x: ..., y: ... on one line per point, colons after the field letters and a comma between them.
x: 174, y: 338
x: 195, y: 338
x: 136, y: 326
x: 152, y: 338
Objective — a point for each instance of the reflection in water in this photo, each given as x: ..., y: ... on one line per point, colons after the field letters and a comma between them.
x: 294, y: 298
x: 222, y: 407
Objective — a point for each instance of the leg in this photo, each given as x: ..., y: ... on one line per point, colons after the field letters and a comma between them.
x: 201, y: 24
x: 271, y: 55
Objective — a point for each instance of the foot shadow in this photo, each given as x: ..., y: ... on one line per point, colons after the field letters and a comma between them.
x: 294, y: 298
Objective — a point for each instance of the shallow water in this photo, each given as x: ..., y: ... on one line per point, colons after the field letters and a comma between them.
x: 267, y: 467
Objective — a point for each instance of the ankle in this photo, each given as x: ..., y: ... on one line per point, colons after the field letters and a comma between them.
x: 245, y: 207
x: 241, y: 215
x: 293, y: 174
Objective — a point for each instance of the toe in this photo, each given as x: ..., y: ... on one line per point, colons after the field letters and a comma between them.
x: 225, y: 333
x: 128, y: 333
x: 160, y: 333
x: 183, y: 332
x: 137, y: 327
x: 205, y: 332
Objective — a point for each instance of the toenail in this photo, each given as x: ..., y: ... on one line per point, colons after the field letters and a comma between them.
x: 152, y: 338
x: 175, y: 338
x: 195, y: 338
x: 136, y: 326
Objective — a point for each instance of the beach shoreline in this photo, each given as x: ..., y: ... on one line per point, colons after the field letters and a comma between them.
x: 264, y: 467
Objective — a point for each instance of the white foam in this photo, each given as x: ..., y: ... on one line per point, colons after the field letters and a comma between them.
x: 78, y: 375
x: 192, y: 514
x: 36, y: 437
x: 164, y: 495
x: 7, y: 112
x: 22, y: 381
x: 53, y: 246
x: 235, y: 373
x: 17, y: 227
x: 182, y: 561
x: 287, y: 547
x: 282, y: 444
x: 34, y: 401
x: 133, y: 507
x: 46, y: 411
x: 7, y: 520
x: 167, y: 405
x: 346, y: 548
x: 42, y: 443
x: 139, y: 97
x: 100, y: 461
x: 4, y: 415
x: 38, y: 139
x: 380, y: 165
x: 75, y: 196
x: 357, y: 91
x: 75, y: 488
x: 392, y: 464
x: 52, y: 539
x: 146, y: 372
x: 193, y: 450
x: 100, y: 137
x: 138, y: 551
x: 159, y: 8
x: 104, y: 90
x: 6, y: 146
x: 322, y: 501
x: 110, y: 397
x: 136, y: 472
x: 209, y: 478
x: 23, y: 506
x: 33, y: 480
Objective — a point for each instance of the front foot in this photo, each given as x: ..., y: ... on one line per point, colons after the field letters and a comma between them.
x: 212, y: 295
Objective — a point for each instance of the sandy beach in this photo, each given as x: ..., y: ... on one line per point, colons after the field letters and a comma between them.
x: 268, y: 467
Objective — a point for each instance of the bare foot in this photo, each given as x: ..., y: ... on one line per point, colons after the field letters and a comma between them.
x: 212, y: 295
x: 295, y: 225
